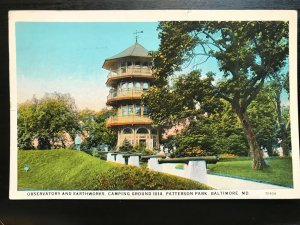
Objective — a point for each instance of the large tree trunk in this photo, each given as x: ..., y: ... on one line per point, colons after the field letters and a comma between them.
x: 257, y: 154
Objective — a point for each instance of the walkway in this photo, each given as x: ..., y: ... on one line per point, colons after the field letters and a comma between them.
x: 224, y: 183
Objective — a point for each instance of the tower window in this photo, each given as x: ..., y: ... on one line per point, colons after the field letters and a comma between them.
x: 145, y: 86
x: 146, y: 111
x: 123, y: 87
x: 130, y: 85
x: 138, y: 110
x: 124, y: 110
x: 137, y: 85
x: 130, y: 109
x: 127, y: 130
x: 138, y: 63
x: 142, y: 130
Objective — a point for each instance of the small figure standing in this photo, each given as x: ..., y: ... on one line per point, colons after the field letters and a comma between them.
x: 77, y: 142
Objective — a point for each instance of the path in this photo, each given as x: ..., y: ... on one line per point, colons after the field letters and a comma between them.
x: 223, y: 183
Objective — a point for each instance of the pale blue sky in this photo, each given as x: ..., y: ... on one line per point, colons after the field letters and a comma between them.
x: 68, y: 57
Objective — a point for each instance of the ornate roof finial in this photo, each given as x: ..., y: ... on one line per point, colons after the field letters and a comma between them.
x: 136, y: 35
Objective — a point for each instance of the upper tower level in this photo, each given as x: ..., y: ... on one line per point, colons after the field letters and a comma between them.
x: 133, y: 62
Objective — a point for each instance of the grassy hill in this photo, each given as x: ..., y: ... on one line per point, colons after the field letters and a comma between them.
x: 278, y: 172
x: 73, y: 170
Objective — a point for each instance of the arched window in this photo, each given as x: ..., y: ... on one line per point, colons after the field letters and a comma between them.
x: 142, y: 130
x: 137, y: 85
x: 123, y: 86
x: 130, y: 85
x: 145, y: 86
x: 127, y: 130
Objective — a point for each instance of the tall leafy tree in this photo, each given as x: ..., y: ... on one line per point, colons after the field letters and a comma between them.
x: 207, y: 121
x: 93, y: 127
x: 278, y: 84
x: 189, y: 97
x: 263, y: 117
x: 46, y: 119
x: 248, y: 54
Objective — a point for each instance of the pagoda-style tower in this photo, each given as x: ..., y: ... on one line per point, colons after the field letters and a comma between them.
x: 130, y: 75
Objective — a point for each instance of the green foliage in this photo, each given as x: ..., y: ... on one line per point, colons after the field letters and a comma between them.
x: 137, y: 178
x: 279, y: 170
x: 211, y: 135
x: 190, y: 97
x: 92, y: 125
x: 262, y: 114
x: 126, y: 147
x: 46, y: 119
x: 140, y: 147
x: 248, y: 53
x: 74, y: 170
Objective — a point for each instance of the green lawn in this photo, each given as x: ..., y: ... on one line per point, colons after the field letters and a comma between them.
x: 73, y: 170
x: 279, y: 170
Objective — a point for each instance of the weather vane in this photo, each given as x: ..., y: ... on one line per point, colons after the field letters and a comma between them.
x: 136, y: 34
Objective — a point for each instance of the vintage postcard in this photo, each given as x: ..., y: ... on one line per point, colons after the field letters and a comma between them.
x: 177, y: 104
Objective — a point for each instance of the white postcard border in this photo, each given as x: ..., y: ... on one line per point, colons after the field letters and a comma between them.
x: 150, y: 16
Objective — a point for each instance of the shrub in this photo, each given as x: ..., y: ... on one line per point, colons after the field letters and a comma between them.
x: 227, y: 156
x: 126, y: 147
x: 192, y: 152
x: 136, y: 178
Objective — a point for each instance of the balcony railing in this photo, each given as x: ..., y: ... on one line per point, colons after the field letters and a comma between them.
x: 131, y: 70
x: 125, y: 94
x: 123, y: 120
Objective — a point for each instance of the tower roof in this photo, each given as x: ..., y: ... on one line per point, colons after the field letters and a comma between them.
x: 135, y: 50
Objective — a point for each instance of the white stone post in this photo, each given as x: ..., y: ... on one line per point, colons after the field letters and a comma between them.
x: 110, y: 157
x: 134, y: 161
x: 154, y: 165
x: 196, y: 170
x: 120, y: 159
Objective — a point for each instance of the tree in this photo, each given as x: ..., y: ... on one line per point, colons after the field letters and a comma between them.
x: 94, y: 128
x: 248, y: 53
x: 47, y: 119
x: 279, y: 83
x: 208, y: 122
x: 228, y: 134
x: 26, y: 124
x: 126, y: 146
x: 190, y: 97
x: 263, y: 117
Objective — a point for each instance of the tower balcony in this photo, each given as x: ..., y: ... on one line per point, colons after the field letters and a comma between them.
x: 128, y: 72
x: 128, y: 120
x: 124, y: 95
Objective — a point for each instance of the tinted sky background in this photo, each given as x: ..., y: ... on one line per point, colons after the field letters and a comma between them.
x: 67, y: 57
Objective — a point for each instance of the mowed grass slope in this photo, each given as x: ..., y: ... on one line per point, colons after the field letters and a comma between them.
x: 73, y: 170
x: 278, y: 172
